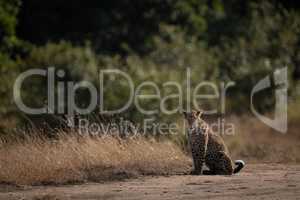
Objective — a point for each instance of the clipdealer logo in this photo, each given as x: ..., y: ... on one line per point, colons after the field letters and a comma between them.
x: 279, y: 122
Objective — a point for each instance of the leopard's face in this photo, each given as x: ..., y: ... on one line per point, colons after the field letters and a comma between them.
x: 191, y: 117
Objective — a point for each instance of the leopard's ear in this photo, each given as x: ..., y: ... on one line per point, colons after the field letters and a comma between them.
x: 199, y: 113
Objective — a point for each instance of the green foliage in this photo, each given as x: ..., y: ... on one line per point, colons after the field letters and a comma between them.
x: 270, y: 42
x: 78, y: 63
x: 8, y: 71
x: 8, y: 66
x: 150, y: 40
x: 8, y: 22
x: 173, y: 54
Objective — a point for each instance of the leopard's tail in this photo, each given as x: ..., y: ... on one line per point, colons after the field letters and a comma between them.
x: 239, y: 165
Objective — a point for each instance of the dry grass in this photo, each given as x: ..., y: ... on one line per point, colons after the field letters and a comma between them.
x: 73, y: 159
x: 70, y: 159
x: 256, y: 142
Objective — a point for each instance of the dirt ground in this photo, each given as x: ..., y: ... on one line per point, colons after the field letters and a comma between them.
x: 260, y: 181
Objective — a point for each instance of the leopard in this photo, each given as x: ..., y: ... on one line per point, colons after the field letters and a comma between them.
x: 208, y: 148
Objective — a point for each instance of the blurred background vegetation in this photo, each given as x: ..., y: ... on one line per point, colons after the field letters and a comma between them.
x: 220, y: 40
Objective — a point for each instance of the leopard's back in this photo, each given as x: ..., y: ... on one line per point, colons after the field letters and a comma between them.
x: 216, y: 144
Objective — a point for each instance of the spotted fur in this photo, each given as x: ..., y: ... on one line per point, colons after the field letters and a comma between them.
x: 208, y: 148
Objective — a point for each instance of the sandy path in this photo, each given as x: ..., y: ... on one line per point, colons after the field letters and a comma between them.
x: 264, y: 181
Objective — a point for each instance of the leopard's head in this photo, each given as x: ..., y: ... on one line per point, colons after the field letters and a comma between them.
x: 191, y: 117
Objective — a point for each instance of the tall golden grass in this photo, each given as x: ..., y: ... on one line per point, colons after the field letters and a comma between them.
x: 72, y: 159
x: 256, y: 142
